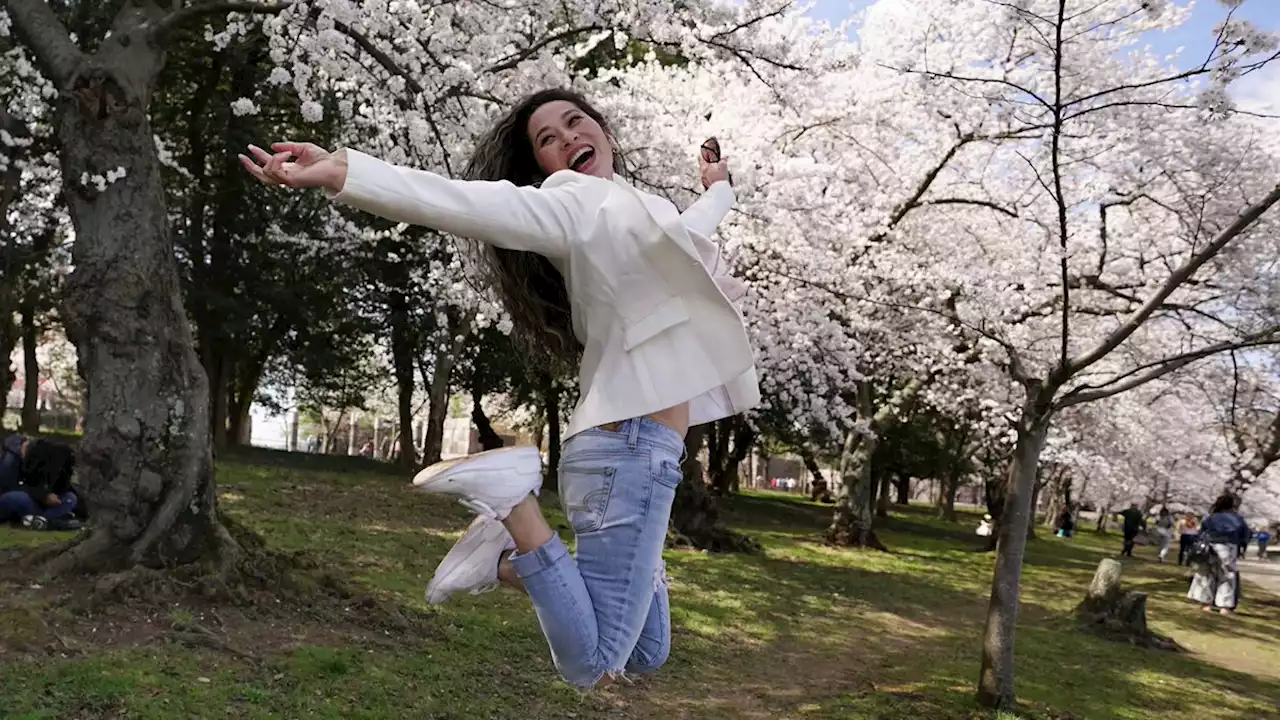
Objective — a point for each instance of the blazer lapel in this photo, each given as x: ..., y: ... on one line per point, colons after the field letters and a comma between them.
x: 665, y: 214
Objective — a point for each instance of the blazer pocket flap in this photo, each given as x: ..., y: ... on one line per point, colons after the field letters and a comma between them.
x: 669, y: 313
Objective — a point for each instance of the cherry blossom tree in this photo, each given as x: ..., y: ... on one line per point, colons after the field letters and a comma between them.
x: 410, y: 83
x: 1118, y: 190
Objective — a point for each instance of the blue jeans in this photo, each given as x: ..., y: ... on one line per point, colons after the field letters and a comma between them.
x: 604, y: 610
x: 17, y: 504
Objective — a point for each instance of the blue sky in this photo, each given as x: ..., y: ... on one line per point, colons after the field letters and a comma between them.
x: 1260, y: 91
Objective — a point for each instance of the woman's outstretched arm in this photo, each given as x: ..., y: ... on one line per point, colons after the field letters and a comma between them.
x: 498, y: 213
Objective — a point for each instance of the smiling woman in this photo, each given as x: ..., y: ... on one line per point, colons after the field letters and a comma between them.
x: 591, y: 268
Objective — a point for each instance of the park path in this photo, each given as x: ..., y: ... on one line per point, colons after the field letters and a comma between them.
x: 1261, y: 572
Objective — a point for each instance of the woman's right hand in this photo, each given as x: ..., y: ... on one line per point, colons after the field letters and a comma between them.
x: 311, y: 166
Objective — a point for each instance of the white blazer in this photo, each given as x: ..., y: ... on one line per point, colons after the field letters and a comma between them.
x: 647, y: 293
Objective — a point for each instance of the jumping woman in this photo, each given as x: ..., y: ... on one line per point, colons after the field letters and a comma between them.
x: 614, y: 280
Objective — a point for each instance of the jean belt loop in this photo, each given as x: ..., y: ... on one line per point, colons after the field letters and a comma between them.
x: 633, y: 431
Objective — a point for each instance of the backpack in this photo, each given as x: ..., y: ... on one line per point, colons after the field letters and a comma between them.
x: 1201, y: 550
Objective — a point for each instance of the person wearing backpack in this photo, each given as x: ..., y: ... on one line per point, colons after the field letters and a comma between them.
x: 1216, y: 584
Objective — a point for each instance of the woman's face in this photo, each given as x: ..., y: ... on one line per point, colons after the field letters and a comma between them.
x: 566, y: 138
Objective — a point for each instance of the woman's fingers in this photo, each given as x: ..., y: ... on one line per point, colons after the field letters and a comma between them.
x: 255, y: 170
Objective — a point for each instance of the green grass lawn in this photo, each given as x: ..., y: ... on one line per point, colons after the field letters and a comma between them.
x: 802, y: 631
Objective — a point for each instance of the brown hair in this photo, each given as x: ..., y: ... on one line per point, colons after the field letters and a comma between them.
x: 530, y: 287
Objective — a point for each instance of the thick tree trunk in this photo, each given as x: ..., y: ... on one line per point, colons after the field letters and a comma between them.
x: 995, y: 685
x: 145, y: 459
x: 695, y: 515
x: 551, y: 411
x: 852, y: 523
x: 403, y: 350
x: 30, y: 371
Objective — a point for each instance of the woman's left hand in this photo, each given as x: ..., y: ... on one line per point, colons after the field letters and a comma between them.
x: 714, y: 167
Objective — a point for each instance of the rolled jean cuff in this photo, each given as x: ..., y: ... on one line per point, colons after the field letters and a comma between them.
x: 550, y: 553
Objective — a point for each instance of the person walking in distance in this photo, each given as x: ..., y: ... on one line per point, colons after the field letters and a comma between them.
x: 1134, y: 523
x: 1164, y: 529
x: 595, y: 273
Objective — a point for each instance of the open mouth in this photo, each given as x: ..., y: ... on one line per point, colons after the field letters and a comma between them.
x: 581, y: 159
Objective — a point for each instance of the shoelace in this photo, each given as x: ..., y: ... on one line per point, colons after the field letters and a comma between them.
x: 485, y: 588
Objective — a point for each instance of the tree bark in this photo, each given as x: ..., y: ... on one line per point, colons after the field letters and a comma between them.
x: 30, y: 371
x: 947, y: 499
x: 145, y: 458
x: 403, y: 350
x: 820, y: 491
x: 881, y: 489
x: 695, y: 514
x: 441, y: 382
x: 995, y: 685
x: 852, y: 523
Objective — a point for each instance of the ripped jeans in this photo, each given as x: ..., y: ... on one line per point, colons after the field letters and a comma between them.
x: 604, y: 610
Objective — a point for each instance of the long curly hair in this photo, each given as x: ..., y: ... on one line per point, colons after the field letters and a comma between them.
x: 529, y: 286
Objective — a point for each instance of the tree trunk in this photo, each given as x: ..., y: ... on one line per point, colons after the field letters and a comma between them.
x: 30, y: 372
x: 1035, y: 502
x: 903, y: 487
x: 215, y: 369
x: 403, y: 350
x: 9, y: 335
x: 695, y: 514
x: 733, y: 441
x: 950, y: 485
x: 551, y: 411
x: 995, y: 685
x: 489, y: 438
x: 820, y: 491
x: 441, y: 382
x: 881, y: 490
x: 145, y: 458
x: 852, y: 522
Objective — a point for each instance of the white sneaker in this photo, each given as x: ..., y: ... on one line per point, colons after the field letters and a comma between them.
x: 472, y: 564
x: 490, y: 483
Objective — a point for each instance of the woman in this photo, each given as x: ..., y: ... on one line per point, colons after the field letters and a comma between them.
x: 1187, y: 530
x: 1216, y: 583
x: 1164, y: 529
x: 601, y: 275
x: 35, y: 484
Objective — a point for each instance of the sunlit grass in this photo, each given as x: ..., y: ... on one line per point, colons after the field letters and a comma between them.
x: 800, y: 631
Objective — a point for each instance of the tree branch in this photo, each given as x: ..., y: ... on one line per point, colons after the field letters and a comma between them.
x: 1155, y: 370
x: 1175, y: 281
x: 183, y: 15
x: 38, y: 28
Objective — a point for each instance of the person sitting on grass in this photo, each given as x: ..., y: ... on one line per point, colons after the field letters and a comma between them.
x: 35, y: 484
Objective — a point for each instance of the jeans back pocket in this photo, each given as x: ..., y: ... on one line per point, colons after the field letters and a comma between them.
x: 584, y: 493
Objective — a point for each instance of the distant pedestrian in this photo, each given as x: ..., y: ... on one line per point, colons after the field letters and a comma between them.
x: 1188, y: 529
x: 1134, y: 523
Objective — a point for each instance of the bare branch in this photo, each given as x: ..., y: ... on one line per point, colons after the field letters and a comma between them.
x: 176, y: 19
x: 1145, y: 373
x: 38, y: 28
x: 980, y: 203
x: 1176, y: 280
